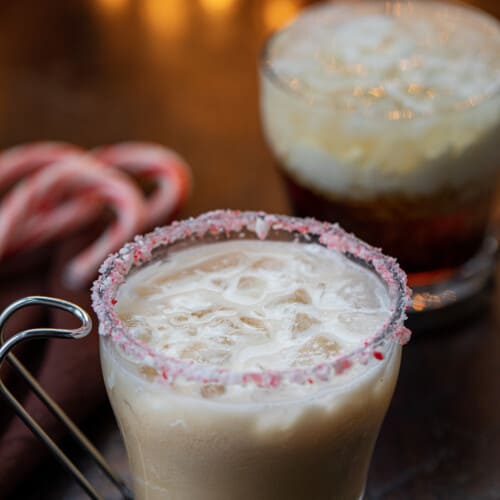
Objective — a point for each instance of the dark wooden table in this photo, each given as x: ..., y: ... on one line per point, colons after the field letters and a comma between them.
x: 183, y: 73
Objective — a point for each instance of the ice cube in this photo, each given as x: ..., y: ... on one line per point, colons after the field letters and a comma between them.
x: 253, y: 322
x: 358, y: 324
x: 225, y: 325
x: 219, y: 283
x: 253, y: 329
x: 204, y: 312
x: 268, y: 264
x: 222, y: 263
x: 142, y: 333
x: 303, y: 322
x: 299, y: 296
x: 210, y: 265
x: 178, y: 319
x: 225, y: 340
x: 315, y: 350
x: 212, y: 390
x: 148, y: 372
x: 147, y: 290
x: 251, y: 286
x: 359, y: 295
x: 201, y: 353
x: 168, y: 278
x: 191, y: 331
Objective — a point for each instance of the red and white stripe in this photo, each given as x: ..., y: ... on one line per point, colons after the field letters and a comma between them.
x: 151, y: 161
x: 60, y: 188
x: 20, y: 161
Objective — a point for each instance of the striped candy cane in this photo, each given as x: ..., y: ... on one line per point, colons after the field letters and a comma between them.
x: 60, y: 188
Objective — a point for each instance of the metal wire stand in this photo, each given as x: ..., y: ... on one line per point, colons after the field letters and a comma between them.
x: 73, y: 430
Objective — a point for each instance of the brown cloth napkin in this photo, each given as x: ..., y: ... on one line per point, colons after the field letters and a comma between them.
x: 67, y: 369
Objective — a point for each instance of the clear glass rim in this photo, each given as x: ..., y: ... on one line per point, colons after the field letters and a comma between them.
x: 225, y: 223
x: 317, y: 100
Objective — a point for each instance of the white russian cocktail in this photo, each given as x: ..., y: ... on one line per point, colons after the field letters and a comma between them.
x: 385, y: 117
x: 250, y: 356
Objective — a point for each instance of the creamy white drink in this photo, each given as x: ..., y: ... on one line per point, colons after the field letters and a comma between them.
x: 253, y: 367
x: 385, y: 116
x: 253, y: 305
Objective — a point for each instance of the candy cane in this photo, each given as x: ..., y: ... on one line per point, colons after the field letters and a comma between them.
x: 167, y: 169
x: 44, y: 225
x: 15, y: 165
x: 36, y: 211
x: 77, y: 174
x: 151, y: 161
x: 20, y: 161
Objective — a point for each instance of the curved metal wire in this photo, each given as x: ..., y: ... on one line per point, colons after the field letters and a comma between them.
x: 44, y: 333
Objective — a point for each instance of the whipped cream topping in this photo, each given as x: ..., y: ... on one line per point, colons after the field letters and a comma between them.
x: 414, y: 58
x: 379, y: 97
x: 254, y: 305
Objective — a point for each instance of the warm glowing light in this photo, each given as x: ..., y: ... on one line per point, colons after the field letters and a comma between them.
x: 277, y: 12
x: 404, y: 114
x: 423, y: 301
x: 112, y: 6
x: 217, y: 6
x: 418, y: 302
x: 394, y: 115
x: 376, y: 92
x: 414, y: 88
x: 165, y: 17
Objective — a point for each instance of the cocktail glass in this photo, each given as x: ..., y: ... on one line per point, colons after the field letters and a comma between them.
x: 202, y: 432
x: 385, y: 117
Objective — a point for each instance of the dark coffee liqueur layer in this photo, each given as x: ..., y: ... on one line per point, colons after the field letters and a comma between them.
x: 425, y: 233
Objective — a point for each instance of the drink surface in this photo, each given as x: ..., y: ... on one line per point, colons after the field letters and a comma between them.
x: 249, y: 305
x: 378, y: 98
x: 414, y: 59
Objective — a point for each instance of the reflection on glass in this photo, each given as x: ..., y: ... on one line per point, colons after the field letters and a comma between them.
x: 277, y: 12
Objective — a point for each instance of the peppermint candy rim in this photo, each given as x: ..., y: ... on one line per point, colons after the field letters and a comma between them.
x: 229, y: 224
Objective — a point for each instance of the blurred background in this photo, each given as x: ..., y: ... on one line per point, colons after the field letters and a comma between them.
x: 183, y: 73
x: 179, y: 72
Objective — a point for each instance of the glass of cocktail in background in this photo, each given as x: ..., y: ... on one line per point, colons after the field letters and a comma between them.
x: 385, y: 117
x: 250, y: 356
